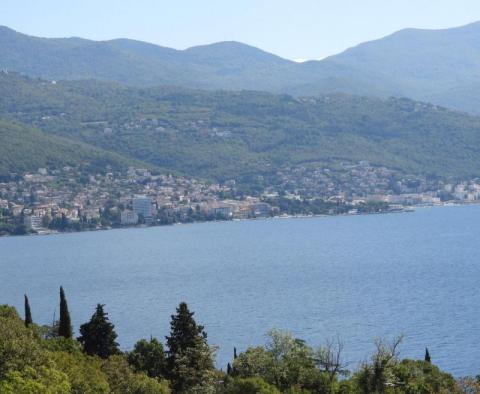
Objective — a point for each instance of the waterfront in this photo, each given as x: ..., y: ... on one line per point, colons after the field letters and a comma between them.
x: 360, y: 277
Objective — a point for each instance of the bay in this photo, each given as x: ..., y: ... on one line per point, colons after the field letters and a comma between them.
x: 359, y: 277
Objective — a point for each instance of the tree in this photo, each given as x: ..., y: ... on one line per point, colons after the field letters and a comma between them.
x: 65, y: 324
x: 184, y: 332
x: 189, y: 358
x: 98, y: 335
x: 418, y: 376
x: 427, y: 356
x: 28, y: 312
x: 328, y: 359
x: 285, y: 362
x: 255, y: 361
x: 148, y: 357
x: 374, y: 377
x: 292, y: 359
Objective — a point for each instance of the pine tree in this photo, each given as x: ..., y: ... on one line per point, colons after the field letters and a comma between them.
x: 427, y: 356
x: 65, y: 324
x: 98, y: 335
x: 183, y: 331
x: 189, y: 358
x: 28, y: 312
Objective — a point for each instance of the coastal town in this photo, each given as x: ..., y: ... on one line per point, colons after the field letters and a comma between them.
x: 69, y: 199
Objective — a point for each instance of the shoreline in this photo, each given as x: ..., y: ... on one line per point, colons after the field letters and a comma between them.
x: 405, y: 209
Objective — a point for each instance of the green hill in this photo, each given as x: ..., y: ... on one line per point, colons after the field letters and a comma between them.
x: 224, y: 135
x: 26, y: 149
x: 437, y: 66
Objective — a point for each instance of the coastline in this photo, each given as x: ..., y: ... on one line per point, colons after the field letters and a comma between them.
x: 278, y: 217
x: 405, y: 209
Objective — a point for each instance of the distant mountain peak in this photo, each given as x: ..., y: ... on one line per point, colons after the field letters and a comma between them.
x: 438, y: 66
x: 234, y: 49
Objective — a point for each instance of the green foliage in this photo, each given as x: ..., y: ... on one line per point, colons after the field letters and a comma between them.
x: 225, y: 135
x: 26, y: 149
x: 428, y: 359
x: 28, y: 312
x: 285, y: 362
x: 30, y: 364
x: 253, y: 362
x: 8, y: 312
x: 250, y: 386
x: 122, y: 379
x: 387, y: 374
x: 61, y: 344
x: 42, y: 380
x: 148, y: 357
x: 292, y: 367
x: 65, y: 325
x: 378, y: 375
x: 422, y: 377
x: 98, y: 335
x: 292, y: 359
x: 83, y: 372
x: 19, y: 347
x: 189, y: 358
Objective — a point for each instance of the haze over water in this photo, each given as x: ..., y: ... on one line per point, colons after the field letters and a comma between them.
x: 360, y: 277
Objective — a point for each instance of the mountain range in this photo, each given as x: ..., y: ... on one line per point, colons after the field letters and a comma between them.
x: 437, y: 66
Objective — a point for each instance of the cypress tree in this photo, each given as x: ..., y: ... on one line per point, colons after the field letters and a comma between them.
x: 427, y: 356
x: 28, y: 312
x: 234, y: 353
x: 65, y: 324
x: 229, y: 369
x: 98, y: 335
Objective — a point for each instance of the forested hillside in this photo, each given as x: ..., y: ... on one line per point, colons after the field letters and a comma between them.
x: 26, y: 149
x: 226, y: 135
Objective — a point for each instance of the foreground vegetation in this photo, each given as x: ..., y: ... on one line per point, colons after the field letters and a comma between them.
x: 47, y: 359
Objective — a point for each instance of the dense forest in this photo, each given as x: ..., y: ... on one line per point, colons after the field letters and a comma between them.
x: 49, y: 359
x: 25, y: 149
x: 224, y: 135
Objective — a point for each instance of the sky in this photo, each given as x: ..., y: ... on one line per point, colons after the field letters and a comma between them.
x: 293, y: 29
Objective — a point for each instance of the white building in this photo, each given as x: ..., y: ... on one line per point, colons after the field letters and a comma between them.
x: 128, y: 217
x: 33, y: 222
x: 142, y: 205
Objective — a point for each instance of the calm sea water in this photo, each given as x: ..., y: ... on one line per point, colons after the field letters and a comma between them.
x: 360, y: 277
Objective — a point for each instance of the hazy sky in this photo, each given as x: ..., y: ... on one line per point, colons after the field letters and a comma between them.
x: 294, y: 29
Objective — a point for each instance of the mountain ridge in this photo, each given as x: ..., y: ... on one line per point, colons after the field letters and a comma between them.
x: 437, y: 66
